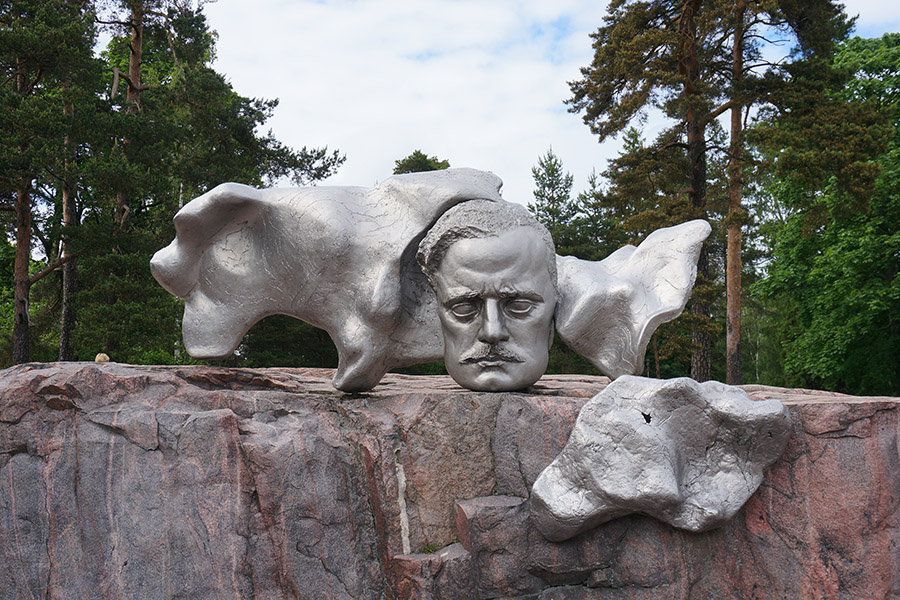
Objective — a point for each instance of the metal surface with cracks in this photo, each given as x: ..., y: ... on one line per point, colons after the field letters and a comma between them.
x: 343, y: 259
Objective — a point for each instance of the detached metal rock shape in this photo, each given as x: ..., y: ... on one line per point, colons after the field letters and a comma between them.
x: 689, y: 454
x: 609, y: 309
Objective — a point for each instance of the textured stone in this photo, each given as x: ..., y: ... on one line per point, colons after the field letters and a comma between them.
x: 823, y: 524
x: 444, y: 575
x: 199, y: 482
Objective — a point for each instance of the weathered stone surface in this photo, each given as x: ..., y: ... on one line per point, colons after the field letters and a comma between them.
x: 824, y: 524
x: 197, y: 482
x: 443, y: 575
x: 689, y: 454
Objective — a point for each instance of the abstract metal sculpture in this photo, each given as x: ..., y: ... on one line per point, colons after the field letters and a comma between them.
x: 437, y: 264
x: 343, y: 259
x: 689, y: 454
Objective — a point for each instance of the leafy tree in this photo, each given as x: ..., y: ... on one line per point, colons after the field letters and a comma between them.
x: 674, y: 56
x: 192, y: 131
x: 833, y: 286
x: 103, y: 172
x: 418, y: 162
x: 42, y: 44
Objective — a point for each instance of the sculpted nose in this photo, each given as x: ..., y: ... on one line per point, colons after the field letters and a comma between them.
x: 493, y: 327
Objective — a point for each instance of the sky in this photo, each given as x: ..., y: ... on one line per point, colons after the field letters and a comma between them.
x: 481, y: 83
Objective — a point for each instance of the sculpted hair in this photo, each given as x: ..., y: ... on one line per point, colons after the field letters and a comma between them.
x: 478, y: 219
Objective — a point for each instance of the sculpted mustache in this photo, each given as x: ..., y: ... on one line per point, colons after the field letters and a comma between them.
x: 489, y: 353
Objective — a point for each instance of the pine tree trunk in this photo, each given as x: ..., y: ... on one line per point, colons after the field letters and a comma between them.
x: 689, y: 68
x: 700, y: 336
x: 21, y: 342
x: 69, y: 283
x: 69, y: 279
x: 735, y: 214
x: 135, y: 57
x: 133, y: 95
x: 21, y: 347
x: 67, y: 318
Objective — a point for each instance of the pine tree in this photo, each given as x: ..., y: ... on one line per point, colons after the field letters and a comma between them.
x: 674, y: 56
x: 418, y: 162
x: 97, y: 175
x: 552, y: 204
x: 42, y: 43
x: 191, y: 132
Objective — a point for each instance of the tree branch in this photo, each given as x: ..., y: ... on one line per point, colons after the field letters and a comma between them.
x: 715, y: 114
x: 115, y: 87
x: 53, y: 266
x: 37, y: 78
x: 122, y: 23
x: 681, y: 145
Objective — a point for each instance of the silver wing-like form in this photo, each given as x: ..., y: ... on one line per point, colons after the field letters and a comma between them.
x: 339, y: 258
x: 608, y: 309
x: 343, y: 260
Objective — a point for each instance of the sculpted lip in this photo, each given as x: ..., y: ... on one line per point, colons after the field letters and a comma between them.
x: 489, y: 364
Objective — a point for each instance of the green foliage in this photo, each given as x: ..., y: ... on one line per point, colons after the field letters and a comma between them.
x: 552, y: 205
x: 813, y: 134
x: 280, y: 340
x: 418, y: 162
x: 583, y: 226
x: 678, y: 57
x: 131, y: 165
x: 7, y: 257
x: 835, y: 279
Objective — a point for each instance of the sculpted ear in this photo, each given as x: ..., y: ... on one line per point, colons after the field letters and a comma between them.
x: 608, y: 310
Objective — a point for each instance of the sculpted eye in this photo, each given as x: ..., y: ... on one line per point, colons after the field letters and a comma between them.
x: 464, y: 310
x: 519, y: 307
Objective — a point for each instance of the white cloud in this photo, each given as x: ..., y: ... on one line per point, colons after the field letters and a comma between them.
x: 479, y: 83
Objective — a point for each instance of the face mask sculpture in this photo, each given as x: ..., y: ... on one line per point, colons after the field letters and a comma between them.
x: 437, y: 264
x: 493, y: 269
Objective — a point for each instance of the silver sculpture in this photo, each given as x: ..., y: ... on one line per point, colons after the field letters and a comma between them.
x: 344, y: 260
x: 437, y: 264
x: 493, y: 268
x: 689, y: 454
x: 339, y: 258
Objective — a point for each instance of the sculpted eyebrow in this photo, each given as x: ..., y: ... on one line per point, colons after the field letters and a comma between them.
x: 533, y: 296
x: 459, y: 297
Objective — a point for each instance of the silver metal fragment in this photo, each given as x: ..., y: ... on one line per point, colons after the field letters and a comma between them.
x: 690, y: 454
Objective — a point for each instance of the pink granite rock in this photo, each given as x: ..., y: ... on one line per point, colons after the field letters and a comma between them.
x: 196, y: 482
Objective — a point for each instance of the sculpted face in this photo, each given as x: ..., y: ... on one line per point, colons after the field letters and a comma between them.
x: 496, y: 301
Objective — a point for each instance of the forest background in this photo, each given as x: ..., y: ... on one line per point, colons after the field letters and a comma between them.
x: 794, y: 160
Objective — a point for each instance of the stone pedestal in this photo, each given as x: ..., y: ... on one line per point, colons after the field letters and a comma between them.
x: 121, y: 481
